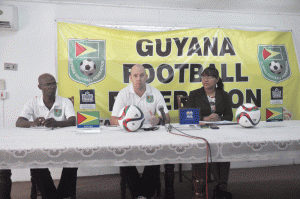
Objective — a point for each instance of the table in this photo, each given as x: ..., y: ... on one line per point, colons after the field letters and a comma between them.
x: 40, y: 147
x: 65, y: 147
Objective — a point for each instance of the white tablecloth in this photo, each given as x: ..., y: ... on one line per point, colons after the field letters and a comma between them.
x: 65, y: 147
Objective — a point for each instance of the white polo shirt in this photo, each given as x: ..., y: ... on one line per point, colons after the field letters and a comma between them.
x: 61, y: 110
x: 150, y: 101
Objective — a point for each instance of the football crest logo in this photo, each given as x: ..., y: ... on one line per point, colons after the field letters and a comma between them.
x: 189, y: 114
x: 87, y: 61
x: 87, y: 99
x: 274, y: 63
x: 276, y: 95
x: 150, y: 98
x: 57, y: 112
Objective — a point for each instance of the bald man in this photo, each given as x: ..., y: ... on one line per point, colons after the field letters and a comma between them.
x: 50, y: 110
x: 138, y: 93
x: 148, y: 99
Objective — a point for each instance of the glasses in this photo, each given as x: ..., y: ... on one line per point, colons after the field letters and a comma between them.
x: 207, y: 77
x: 50, y: 84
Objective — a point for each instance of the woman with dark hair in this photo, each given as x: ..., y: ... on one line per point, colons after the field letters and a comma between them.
x: 215, y: 105
x: 213, y: 101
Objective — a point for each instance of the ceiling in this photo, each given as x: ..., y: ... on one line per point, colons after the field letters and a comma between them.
x: 261, y: 6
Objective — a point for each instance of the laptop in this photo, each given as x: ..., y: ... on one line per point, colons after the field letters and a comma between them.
x: 88, y: 121
x: 189, y: 116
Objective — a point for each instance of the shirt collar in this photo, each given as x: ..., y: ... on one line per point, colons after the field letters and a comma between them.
x: 56, y: 103
x: 148, y: 89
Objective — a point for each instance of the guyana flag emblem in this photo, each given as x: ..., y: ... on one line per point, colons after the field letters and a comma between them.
x: 88, y: 119
x: 274, y: 63
x: 86, y: 60
x: 274, y: 114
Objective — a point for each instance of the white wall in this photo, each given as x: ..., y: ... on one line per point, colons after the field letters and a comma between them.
x: 33, y: 46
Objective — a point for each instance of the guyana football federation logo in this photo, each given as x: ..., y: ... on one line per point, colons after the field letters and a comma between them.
x: 274, y: 63
x: 87, y: 61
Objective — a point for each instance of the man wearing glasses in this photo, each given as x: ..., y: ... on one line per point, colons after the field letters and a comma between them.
x: 50, y: 110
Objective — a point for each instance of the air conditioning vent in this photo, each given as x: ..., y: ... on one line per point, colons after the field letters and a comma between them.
x: 9, y: 17
x: 5, y: 24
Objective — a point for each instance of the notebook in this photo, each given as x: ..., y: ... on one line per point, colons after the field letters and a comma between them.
x: 189, y: 116
x: 88, y: 121
x: 274, y: 114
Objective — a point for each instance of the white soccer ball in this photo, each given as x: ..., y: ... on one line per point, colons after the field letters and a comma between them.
x: 87, y: 67
x: 131, y: 118
x: 248, y: 115
x: 275, y: 67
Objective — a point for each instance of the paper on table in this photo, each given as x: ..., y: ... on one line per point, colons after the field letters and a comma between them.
x: 187, y: 127
x: 219, y: 122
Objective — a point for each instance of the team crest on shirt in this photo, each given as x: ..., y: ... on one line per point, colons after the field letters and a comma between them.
x: 57, y: 112
x: 150, y: 98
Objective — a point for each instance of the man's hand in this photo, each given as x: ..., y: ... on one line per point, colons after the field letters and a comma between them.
x: 51, y: 122
x: 212, y: 117
x: 114, y: 120
x: 39, y: 121
x: 153, y: 120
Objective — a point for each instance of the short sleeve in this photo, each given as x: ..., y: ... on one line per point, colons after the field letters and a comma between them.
x: 69, y: 108
x: 27, y: 110
x: 160, y: 102
x: 119, y: 104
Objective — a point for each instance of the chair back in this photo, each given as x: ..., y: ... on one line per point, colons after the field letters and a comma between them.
x: 181, y: 100
x: 72, y: 99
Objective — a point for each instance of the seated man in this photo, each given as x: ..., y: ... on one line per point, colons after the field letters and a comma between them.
x: 50, y: 110
x: 148, y: 99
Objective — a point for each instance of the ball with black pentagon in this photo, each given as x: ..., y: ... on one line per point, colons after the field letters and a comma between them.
x: 276, y: 67
x: 87, y: 67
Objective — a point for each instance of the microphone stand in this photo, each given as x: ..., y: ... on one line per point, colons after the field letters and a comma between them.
x: 168, y: 127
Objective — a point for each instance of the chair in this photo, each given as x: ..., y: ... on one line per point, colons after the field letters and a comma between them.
x: 181, y: 101
x: 72, y: 99
x: 34, y: 188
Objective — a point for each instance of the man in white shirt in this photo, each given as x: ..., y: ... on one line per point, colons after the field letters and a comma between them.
x: 148, y: 99
x: 51, y: 111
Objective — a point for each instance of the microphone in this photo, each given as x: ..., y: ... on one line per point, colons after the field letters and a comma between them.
x: 163, y: 114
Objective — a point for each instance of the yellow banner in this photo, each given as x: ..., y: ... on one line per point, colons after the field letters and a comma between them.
x: 258, y: 67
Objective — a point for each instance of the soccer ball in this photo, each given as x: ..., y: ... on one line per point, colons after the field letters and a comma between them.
x: 248, y: 115
x: 275, y: 67
x: 131, y: 118
x: 87, y: 67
